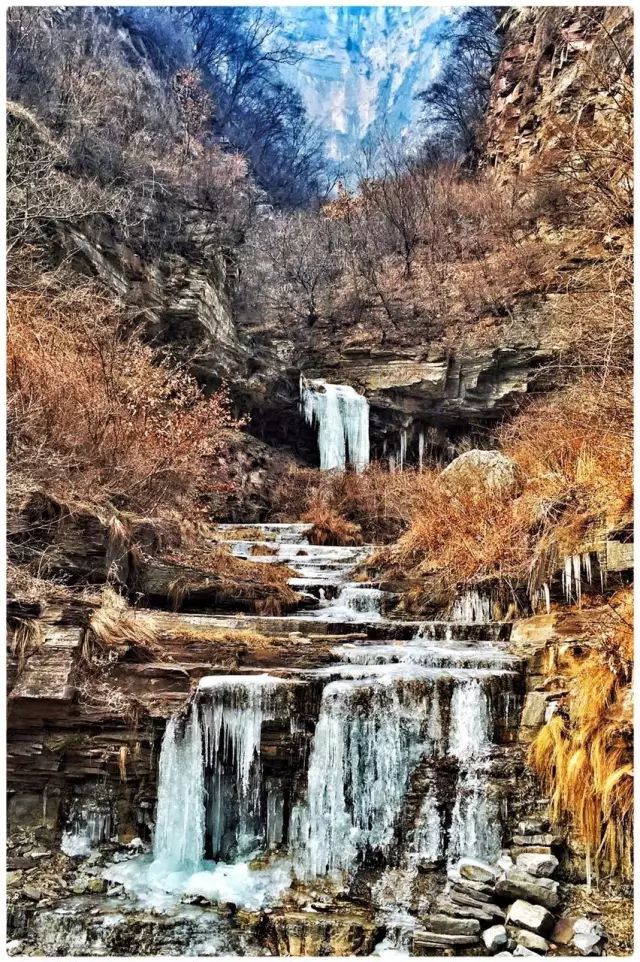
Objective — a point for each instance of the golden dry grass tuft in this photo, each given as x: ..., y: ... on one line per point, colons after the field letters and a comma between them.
x: 115, y: 631
x: 329, y: 527
x: 584, y: 755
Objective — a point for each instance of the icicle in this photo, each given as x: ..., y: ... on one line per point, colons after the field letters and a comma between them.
x: 547, y: 597
x: 342, y: 418
x: 403, y: 449
x: 233, y: 710
x: 179, y: 833
x: 567, y: 578
x: 472, y: 606
x: 421, y: 449
x: 586, y: 564
x: 577, y: 577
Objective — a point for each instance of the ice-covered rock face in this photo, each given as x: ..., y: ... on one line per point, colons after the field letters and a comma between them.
x: 361, y: 69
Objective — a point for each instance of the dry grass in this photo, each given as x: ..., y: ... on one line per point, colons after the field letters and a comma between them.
x: 258, y: 550
x: 574, y: 454
x: 329, y: 527
x: 380, y: 504
x: 237, y: 582
x: 27, y: 636
x: 584, y: 756
x: 95, y: 413
x: 115, y: 631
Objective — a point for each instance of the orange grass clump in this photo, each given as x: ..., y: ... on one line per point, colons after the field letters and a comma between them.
x: 329, y: 527
x: 584, y: 756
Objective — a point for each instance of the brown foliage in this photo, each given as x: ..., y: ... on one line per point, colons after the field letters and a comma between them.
x: 380, y: 504
x: 96, y: 413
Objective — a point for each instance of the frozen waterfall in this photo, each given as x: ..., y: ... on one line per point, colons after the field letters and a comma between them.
x: 179, y: 834
x: 341, y: 416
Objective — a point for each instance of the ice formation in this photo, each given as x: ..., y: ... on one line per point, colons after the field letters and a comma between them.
x: 472, y: 606
x: 341, y: 416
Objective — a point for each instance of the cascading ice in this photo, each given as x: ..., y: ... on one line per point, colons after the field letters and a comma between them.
x: 341, y: 416
x: 369, y: 737
x: 475, y: 828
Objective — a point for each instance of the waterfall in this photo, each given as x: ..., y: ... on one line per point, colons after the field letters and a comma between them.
x: 179, y: 835
x: 475, y: 827
x: 354, y: 603
x: 368, y: 739
x: 341, y: 416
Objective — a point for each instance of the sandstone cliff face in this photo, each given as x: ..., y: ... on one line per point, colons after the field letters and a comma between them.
x: 543, y: 69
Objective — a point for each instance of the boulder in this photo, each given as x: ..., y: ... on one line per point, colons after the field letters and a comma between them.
x: 588, y: 937
x: 530, y: 940
x: 474, y: 869
x: 482, y: 469
x: 495, y: 938
x: 446, y: 925
x: 527, y: 916
x: 520, y: 885
x: 541, y: 866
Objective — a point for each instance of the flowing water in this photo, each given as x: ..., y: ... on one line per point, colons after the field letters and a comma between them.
x: 381, y: 758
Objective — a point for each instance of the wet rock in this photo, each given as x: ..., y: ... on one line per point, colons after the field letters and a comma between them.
x: 505, y: 862
x: 533, y: 917
x: 15, y: 947
x: 96, y: 886
x: 14, y: 878
x: 450, y: 926
x: 523, y: 950
x: 487, y: 908
x: 543, y: 839
x: 495, y: 937
x: 530, y: 850
x: 538, y: 865
x: 521, y: 885
x: 474, y: 869
x: 79, y: 887
x: 588, y: 937
x: 530, y: 940
x: 446, y: 906
x: 438, y: 940
x: 533, y: 826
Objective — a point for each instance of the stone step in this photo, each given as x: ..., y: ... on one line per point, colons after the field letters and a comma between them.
x: 385, y: 629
